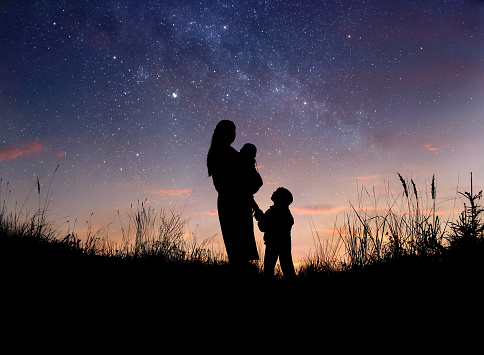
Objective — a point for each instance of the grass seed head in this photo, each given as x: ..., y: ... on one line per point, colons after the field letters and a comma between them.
x: 414, y: 189
x: 433, y: 188
x: 404, y: 184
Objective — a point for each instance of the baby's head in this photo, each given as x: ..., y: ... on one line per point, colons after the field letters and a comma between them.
x: 282, y: 196
x: 249, y: 150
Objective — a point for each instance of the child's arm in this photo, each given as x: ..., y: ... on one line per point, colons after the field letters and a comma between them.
x: 259, y: 215
x: 263, y: 219
x: 257, y: 211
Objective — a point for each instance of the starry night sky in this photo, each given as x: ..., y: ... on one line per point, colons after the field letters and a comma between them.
x: 124, y: 96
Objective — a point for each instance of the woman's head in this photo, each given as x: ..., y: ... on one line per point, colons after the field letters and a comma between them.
x: 224, y: 133
x: 223, y: 136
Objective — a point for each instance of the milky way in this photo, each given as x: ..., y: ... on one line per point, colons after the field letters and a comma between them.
x: 124, y: 96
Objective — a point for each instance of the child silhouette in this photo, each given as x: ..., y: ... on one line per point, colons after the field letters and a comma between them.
x: 248, y: 153
x: 276, y: 223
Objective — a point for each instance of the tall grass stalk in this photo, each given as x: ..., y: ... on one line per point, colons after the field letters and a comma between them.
x: 162, y: 236
x: 326, y: 257
x: 20, y: 221
x: 408, y: 225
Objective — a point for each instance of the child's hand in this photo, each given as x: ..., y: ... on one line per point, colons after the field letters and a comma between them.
x: 258, y: 214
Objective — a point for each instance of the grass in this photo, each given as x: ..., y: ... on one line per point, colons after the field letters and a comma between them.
x: 385, y: 269
x: 403, y: 239
x: 154, y: 246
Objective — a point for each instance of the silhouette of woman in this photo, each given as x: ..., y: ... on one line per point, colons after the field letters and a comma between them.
x: 229, y: 175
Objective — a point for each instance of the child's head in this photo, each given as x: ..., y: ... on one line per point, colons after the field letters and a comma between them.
x: 282, y: 196
x: 249, y: 150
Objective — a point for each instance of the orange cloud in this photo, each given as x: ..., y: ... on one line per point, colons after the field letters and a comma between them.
x: 171, y: 192
x: 210, y: 213
x: 429, y: 147
x: 59, y: 152
x: 9, y: 152
x: 317, y: 209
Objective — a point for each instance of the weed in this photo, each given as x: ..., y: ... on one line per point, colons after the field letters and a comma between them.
x: 468, y: 230
x: 372, y: 234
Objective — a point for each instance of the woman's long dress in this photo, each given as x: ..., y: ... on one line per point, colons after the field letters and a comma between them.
x: 234, y: 205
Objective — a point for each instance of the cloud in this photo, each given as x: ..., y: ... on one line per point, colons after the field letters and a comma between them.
x: 210, y: 213
x: 9, y: 151
x: 429, y: 147
x: 13, y: 151
x: 317, y: 209
x: 59, y: 152
x: 171, y: 192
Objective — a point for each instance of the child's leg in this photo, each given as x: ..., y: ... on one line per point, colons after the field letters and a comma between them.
x: 270, y: 259
x: 285, y: 259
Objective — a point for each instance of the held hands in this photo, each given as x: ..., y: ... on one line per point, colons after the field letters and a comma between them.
x: 258, y: 214
x: 257, y: 211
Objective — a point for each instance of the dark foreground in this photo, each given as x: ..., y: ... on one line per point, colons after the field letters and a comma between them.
x: 61, y: 296
x: 53, y: 271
